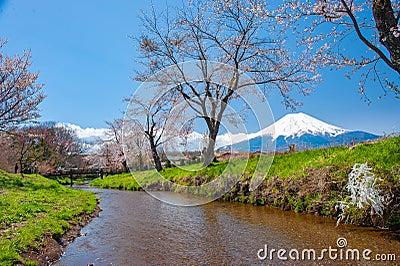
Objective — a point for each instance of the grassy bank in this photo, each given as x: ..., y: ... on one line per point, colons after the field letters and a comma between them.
x: 123, y: 181
x: 315, y: 181
x: 311, y: 181
x: 33, y: 208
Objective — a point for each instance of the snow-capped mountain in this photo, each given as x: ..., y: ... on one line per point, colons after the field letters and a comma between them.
x: 302, y: 130
x: 297, y: 125
x: 89, y: 137
x: 87, y: 134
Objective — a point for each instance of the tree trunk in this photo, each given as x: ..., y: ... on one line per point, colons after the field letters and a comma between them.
x: 386, y: 23
x: 140, y: 161
x: 156, y: 157
x: 21, y: 171
x: 125, y: 165
x: 209, y: 154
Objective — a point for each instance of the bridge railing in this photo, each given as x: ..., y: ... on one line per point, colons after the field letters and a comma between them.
x: 83, y: 172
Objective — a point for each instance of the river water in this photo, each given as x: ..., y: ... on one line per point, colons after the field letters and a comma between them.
x: 136, y: 229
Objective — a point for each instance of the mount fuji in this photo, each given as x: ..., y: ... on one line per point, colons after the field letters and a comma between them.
x: 301, y: 130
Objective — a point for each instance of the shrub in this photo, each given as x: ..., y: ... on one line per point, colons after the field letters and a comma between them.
x: 364, y: 193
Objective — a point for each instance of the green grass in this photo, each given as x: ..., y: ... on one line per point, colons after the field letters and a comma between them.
x: 65, y: 180
x: 32, y: 206
x: 311, y: 181
x: 128, y: 181
x: 120, y: 181
x: 383, y: 157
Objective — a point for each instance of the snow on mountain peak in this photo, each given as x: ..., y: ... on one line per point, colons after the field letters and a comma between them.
x: 85, y: 133
x: 291, y: 125
x: 298, y: 124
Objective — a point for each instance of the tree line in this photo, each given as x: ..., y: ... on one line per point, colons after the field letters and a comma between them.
x: 40, y: 148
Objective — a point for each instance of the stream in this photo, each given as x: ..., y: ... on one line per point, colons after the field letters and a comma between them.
x: 136, y: 229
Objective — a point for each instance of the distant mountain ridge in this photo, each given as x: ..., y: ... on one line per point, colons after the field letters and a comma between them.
x: 89, y: 137
x: 303, y: 131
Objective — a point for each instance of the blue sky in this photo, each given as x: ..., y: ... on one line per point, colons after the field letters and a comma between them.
x: 86, y: 61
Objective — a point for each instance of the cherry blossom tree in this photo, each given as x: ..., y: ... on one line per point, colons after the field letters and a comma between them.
x: 24, y: 144
x: 20, y: 95
x: 243, y: 34
x: 110, y: 153
x: 106, y: 155
x: 136, y: 145
x: 152, y: 117
x: 332, y: 25
x: 44, y: 147
x: 7, y: 158
x: 114, y: 143
x: 62, y: 145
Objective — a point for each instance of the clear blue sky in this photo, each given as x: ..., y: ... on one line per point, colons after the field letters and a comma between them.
x: 86, y: 61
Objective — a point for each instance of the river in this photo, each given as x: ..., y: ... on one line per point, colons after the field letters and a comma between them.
x: 136, y: 229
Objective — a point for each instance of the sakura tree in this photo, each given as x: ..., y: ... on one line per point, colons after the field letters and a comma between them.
x: 114, y: 143
x: 110, y: 152
x: 331, y: 26
x: 43, y: 147
x: 20, y: 95
x: 150, y: 116
x: 135, y: 145
x: 244, y: 35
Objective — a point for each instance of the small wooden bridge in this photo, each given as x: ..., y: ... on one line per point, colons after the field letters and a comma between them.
x: 82, y: 173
